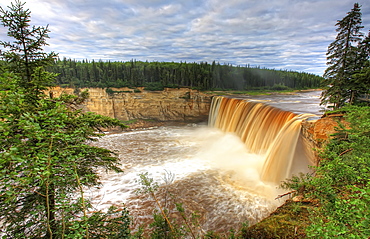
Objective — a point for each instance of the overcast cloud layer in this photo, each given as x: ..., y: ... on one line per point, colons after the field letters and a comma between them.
x: 280, y: 34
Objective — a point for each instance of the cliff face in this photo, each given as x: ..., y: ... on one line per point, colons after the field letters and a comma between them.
x: 127, y: 104
x: 318, y: 132
x: 175, y: 105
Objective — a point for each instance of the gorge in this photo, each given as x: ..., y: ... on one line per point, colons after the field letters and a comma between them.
x: 187, y: 105
x: 221, y: 171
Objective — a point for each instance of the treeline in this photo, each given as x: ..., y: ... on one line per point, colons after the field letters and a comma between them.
x: 156, y: 75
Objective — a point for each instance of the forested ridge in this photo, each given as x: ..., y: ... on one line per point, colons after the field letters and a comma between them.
x: 156, y: 75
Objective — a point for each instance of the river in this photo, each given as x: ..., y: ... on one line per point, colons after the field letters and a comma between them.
x: 210, y: 172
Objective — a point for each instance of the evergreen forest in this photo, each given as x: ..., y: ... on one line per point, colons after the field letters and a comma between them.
x: 157, y: 75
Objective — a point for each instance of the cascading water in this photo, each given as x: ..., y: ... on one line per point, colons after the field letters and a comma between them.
x: 265, y: 130
x: 228, y: 172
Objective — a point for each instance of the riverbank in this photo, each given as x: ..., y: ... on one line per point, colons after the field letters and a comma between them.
x: 145, y: 124
x: 288, y: 221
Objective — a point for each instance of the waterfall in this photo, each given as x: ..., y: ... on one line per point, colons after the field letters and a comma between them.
x: 267, y: 131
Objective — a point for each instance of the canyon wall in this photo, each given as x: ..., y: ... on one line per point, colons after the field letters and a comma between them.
x: 125, y: 104
x: 182, y: 104
x: 318, y: 132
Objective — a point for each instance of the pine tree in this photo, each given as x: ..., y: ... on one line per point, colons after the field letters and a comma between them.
x: 45, y: 161
x: 25, y: 54
x: 362, y: 77
x: 343, y: 60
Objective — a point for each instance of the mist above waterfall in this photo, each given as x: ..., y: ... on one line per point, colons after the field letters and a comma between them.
x: 227, y: 153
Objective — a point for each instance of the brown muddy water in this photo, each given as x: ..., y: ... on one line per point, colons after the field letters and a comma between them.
x: 211, y: 172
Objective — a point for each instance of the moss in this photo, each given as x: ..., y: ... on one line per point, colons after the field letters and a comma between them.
x: 288, y: 221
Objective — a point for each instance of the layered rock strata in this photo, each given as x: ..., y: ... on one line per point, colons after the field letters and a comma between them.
x: 185, y: 105
x: 126, y: 104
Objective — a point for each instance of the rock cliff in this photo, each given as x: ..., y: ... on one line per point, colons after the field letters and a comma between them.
x: 318, y: 132
x: 125, y: 104
x: 182, y: 104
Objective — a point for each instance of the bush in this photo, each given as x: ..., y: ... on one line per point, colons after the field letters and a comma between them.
x: 154, y: 86
x: 280, y: 87
x: 342, y: 181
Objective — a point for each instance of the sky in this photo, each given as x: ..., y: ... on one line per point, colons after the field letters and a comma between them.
x: 275, y: 34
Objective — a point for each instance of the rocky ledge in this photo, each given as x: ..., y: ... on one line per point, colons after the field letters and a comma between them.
x: 181, y: 104
x: 143, y: 109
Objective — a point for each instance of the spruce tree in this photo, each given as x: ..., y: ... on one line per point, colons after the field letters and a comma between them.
x: 343, y: 60
x: 25, y: 52
x: 45, y: 159
x: 362, y: 77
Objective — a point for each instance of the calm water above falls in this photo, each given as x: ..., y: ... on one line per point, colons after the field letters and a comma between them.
x: 305, y: 102
x: 215, y: 174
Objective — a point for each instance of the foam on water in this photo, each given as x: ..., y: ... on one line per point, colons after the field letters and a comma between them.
x: 217, y: 172
x: 214, y: 174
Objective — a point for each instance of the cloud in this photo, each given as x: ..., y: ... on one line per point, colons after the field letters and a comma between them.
x: 282, y: 34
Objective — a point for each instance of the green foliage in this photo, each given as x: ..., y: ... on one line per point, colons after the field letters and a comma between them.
x: 163, y: 225
x: 287, y: 221
x: 343, y: 187
x: 344, y: 217
x: 154, y: 86
x: 280, y: 87
x: 25, y: 54
x: 45, y: 158
x: 171, y: 219
x: 114, y: 224
x: 109, y: 91
x: 300, y: 183
x: 148, y: 184
x: 346, y: 77
x: 157, y: 75
x: 342, y: 181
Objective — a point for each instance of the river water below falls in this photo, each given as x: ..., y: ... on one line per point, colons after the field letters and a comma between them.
x: 213, y: 173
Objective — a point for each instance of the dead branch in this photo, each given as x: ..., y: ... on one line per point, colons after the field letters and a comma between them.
x: 345, y: 151
x: 286, y: 194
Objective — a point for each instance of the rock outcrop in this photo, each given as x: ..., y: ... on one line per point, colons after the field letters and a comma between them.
x: 320, y: 130
x: 185, y: 105
x: 126, y: 104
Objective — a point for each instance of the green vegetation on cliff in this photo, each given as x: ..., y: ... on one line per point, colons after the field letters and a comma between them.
x: 336, y: 199
x: 333, y: 203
